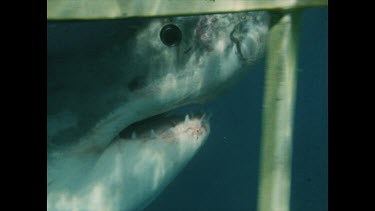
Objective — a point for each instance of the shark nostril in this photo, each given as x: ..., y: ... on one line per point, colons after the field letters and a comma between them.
x: 248, y: 41
x: 240, y: 31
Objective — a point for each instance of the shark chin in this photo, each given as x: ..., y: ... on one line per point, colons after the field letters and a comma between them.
x: 132, y: 170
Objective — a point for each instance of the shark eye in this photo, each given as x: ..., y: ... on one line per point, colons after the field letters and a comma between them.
x: 170, y: 35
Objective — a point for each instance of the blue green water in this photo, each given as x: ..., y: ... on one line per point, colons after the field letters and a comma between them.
x: 224, y: 174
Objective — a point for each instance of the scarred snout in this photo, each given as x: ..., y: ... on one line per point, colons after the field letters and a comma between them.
x: 249, y: 36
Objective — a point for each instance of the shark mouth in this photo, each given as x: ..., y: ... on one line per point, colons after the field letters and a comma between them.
x: 161, y: 125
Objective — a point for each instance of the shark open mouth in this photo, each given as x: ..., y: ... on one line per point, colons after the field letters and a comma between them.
x: 161, y: 124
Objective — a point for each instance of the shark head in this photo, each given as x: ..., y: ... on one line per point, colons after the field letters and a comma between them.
x: 204, y: 56
x: 107, y: 78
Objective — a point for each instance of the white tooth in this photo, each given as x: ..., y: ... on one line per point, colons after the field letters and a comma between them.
x: 152, y: 133
x: 134, y: 135
x: 173, y: 123
x: 203, y: 116
x: 187, y: 118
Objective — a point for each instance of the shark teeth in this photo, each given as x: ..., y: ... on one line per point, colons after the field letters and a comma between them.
x: 173, y: 123
x: 203, y: 117
x: 152, y: 133
x: 206, y: 117
x: 187, y: 119
x: 169, y: 126
x: 134, y: 135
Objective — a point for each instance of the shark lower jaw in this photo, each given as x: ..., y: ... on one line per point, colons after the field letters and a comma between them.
x: 136, y: 166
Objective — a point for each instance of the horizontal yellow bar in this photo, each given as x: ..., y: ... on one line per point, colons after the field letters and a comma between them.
x: 112, y: 9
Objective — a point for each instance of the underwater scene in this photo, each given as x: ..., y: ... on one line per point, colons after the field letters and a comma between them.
x: 162, y: 114
x: 224, y: 174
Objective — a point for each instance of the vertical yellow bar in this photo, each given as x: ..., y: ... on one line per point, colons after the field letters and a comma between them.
x: 280, y: 86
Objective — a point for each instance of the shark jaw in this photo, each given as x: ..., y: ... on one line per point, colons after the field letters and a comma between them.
x: 134, y: 168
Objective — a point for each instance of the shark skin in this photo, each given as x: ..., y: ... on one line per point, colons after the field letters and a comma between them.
x: 105, y: 76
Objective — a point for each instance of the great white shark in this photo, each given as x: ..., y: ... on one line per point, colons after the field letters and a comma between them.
x: 111, y: 145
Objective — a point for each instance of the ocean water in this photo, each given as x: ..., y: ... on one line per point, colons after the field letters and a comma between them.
x: 224, y: 174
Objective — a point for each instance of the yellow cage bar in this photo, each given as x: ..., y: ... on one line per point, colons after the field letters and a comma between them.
x: 110, y: 9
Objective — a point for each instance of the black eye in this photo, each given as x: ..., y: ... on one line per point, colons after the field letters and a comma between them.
x: 170, y: 35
